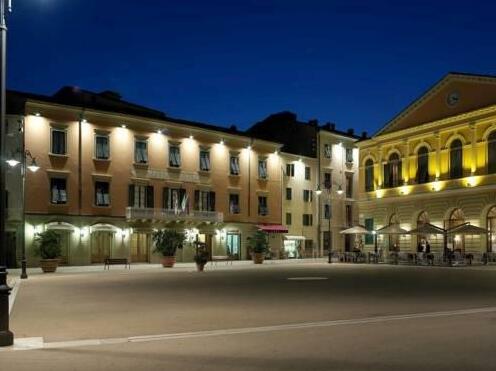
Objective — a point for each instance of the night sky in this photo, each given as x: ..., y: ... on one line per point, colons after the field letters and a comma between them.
x: 356, y: 63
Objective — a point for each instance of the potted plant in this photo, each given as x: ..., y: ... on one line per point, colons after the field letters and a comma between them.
x: 167, y: 241
x: 48, y: 248
x: 259, y: 246
x: 201, y: 256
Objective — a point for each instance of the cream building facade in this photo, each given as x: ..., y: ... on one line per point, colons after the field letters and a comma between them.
x: 434, y: 162
x: 112, y: 172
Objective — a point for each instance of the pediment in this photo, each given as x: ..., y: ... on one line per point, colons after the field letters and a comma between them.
x: 453, y: 95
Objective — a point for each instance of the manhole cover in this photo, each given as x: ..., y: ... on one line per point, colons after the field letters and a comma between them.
x: 307, y: 278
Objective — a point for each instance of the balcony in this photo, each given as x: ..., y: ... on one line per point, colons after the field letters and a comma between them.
x: 173, y: 215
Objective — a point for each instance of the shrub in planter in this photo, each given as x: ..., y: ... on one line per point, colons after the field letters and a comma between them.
x: 167, y: 241
x: 201, y: 256
x: 48, y: 248
x: 259, y: 246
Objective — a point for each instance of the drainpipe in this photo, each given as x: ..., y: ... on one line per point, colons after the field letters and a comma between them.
x: 80, y: 157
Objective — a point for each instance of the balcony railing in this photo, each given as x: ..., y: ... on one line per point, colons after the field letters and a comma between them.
x: 170, y: 215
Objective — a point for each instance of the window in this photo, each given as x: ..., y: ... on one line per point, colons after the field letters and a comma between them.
x: 234, y: 203
x: 204, y: 200
x: 327, y: 180
x: 140, y: 151
x: 290, y: 170
x: 307, y: 173
x: 204, y: 160
x: 174, y: 156
x: 456, y: 159
x: 307, y: 219
x: 262, y: 169
x: 491, y: 153
x: 349, y: 216
x: 289, y: 194
x: 140, y: 196
x: 327, y: 151
x: 369, y: 175
x: 262, y: 206
x: 102, y: 151
x: 234, y: 165
x: 392, y: 171
x: 349, y: 155
x: 102, y: 194
x: 58, y: 188
x: 327, y: 237
x: 288, y: 218
x: 349, y: 185
x: 175, y: 199
x: 59, y: 142
x: 327, y: 211
x: 422, y: 165
x: 369, y: 225
x: 307, y: 195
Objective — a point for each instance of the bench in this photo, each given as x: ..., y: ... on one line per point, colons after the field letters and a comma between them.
x: 116, y: 261
x: 221, y: 258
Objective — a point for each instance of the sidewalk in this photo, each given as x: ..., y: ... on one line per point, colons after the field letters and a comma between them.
x: 245, y: 264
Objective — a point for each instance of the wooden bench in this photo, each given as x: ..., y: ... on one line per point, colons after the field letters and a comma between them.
x: 221, y: 258
x: 116, y: 261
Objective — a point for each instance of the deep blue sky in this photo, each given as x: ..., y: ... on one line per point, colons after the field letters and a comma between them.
x: 356, y: 63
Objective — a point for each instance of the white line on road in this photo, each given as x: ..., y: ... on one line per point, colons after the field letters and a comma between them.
x: 37, y: 343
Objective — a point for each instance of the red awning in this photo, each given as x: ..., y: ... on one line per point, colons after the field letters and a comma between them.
x: 272, y: 228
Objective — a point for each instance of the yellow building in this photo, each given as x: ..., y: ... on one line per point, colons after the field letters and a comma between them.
x: 112, y: 172
x: 434, y: 162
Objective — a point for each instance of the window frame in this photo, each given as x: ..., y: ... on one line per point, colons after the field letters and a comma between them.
x: 95, y: 199
x: 101, y: 135
x: 204, y: 155
x: 179, y: 160
x: 64, y: 180
x: 145, y: 141
x: 64, y: 131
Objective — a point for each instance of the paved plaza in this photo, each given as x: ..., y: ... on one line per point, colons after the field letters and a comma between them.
x: 295, y: 316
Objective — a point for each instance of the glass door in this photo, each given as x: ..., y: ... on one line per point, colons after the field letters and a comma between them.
x: 234, y: 245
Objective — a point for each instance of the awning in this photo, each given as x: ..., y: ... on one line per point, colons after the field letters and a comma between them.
x: 357, y: 229
x: 272, y: 228
x: 290, y: 237
x: 428, y: 228
x: 392, y: 229
x: 468, y: 229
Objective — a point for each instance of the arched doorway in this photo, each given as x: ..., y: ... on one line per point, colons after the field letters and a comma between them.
x: 491, y: 226
x: 394, y: 239
x: 102, y: 242
x: 423, y: 218
x: 64, y: 231
x: 455, y: 242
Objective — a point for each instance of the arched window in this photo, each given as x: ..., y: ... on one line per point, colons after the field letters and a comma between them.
x: 422, y: 165
x: 422, y: 219
x: 369, y: 175
x: 455, y: 242
x: 456, y: 159
x: 491, y: 153
x: 392, y: 171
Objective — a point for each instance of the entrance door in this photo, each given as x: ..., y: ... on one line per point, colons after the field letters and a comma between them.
x: 64, y: 237
x: 101, y: 246
x: 207, y: 240
x: 234, y: 245
x: 140, y: 243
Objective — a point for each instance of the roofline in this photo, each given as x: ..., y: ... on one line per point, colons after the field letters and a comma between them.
x: 166, y: 120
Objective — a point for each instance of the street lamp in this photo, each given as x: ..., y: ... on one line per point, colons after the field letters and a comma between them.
x: 318, y: 192
x: 6, y: 336
x: 33, y: 167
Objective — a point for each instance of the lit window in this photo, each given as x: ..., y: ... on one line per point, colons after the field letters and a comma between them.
x: 175, y: 199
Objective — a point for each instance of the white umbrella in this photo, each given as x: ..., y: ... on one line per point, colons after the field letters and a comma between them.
x: 357, y: 229
x: 392, y: 229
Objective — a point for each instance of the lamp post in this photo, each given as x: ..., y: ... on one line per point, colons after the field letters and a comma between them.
x: 33, y: 167
x: 6, y: 336
x: 318, y: 192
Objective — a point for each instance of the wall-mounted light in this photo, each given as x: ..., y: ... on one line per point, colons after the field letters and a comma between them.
x: 159, y: 131
x: 12, y: 162
x: 123, y: 126
x: 248, y: 148
x: 340, y: 190
x: 318, y: 191
x: 37, y: 114
x: 221, y: 142
x: 191, y: 136
x: 33, y: 167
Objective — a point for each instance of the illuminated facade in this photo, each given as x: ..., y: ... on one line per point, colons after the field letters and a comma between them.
x: 434, y: 162
x: 111, y: 173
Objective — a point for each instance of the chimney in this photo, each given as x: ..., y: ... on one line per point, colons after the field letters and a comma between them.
x: 364, y: 134
x: 350, y: 131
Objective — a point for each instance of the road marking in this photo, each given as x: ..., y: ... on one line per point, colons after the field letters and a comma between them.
x: 37, y: 343
x: 307, y: 278
x: 13, y: 294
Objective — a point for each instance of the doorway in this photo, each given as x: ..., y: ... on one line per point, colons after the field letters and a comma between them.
x: 140, y: 247
x: 101, y: 246
x: 233, y: 245
x: 456, y: 242
x: 207, y: 240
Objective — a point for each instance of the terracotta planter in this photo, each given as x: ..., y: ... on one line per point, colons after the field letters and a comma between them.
x: 258, y: 258
x: 200, y: 267
x: 168, y: 261
x: 49, y: 265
